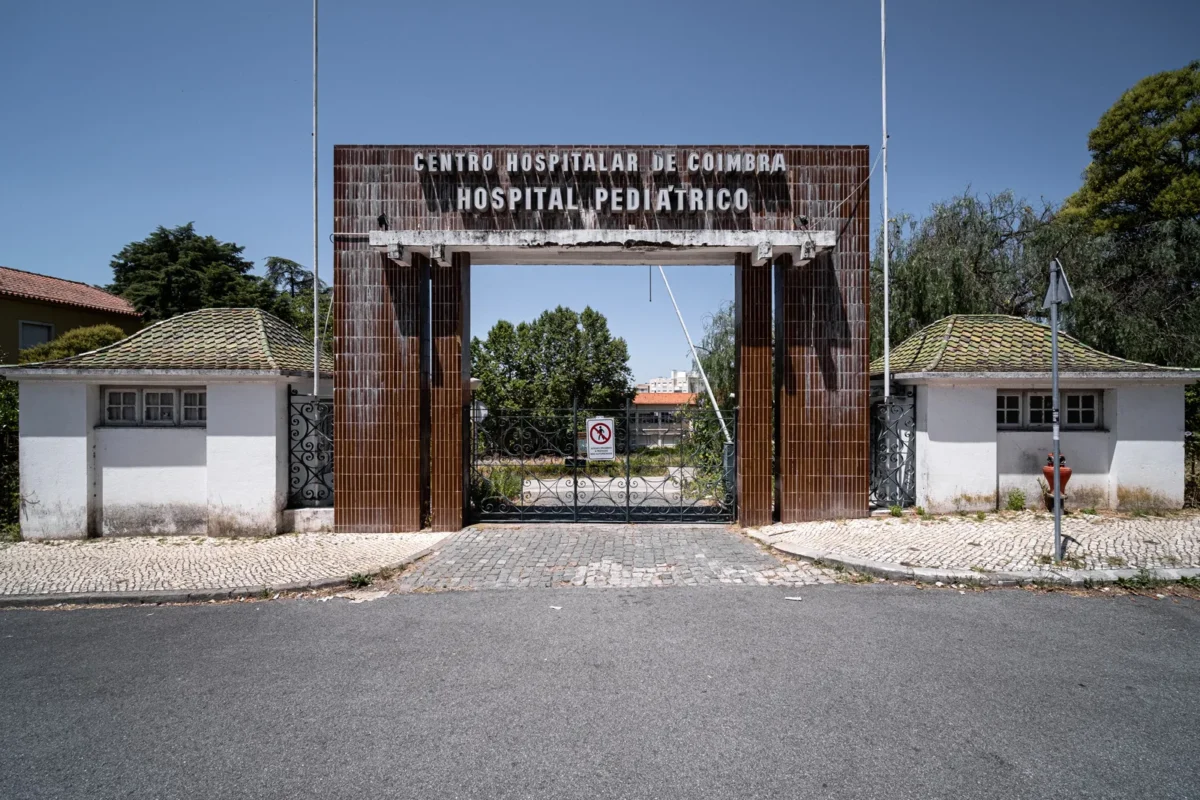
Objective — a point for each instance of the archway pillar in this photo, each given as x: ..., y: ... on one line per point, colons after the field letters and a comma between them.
x: 379, y: 323
x: 449, y: 392
x: 752, y: 312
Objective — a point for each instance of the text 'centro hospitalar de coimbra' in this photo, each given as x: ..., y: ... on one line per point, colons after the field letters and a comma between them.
x: 668, y: 198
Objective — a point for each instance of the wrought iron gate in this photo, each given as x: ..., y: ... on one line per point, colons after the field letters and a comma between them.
x: 668, y: 466
x: 310, y: 451
x: 894, y: 450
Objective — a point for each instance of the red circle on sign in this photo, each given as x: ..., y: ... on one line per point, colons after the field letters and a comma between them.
x: 600, y: 433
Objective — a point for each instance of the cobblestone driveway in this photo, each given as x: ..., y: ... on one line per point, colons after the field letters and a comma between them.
x: 194, y: 563
x: 513, y: 556
x: 1009, y: 541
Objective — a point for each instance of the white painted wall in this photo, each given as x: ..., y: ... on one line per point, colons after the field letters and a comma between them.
x: 1147, y: 455
x: 82, y: 478
x: 956, y: 448
x: 1020, y: 456
x: 964, y: 463
x: 151, y: 481
x: 56, y: 458
x: 247, y: 427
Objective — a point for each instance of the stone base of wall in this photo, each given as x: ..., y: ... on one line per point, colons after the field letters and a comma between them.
x: 307, y: 520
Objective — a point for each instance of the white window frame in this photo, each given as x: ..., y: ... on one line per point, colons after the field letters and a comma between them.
x: 137, y: 407
x: 21, y: 332
x: 167, y: 390
x: 1098, y: 410
x: 1020, y: 423
x: 1026, y: 411
x: 140, y: 420
x: 1048, y: 413
x: 196, y: 423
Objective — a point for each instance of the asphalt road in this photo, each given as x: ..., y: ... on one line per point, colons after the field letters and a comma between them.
x: 717, y: 692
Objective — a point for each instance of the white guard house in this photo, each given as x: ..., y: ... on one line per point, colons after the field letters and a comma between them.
x: 182, y: 428
x: 981, y: 386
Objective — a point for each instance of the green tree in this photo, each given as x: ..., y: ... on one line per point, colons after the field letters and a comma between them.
x: 546, y: 364
x: 1145, y: 155
x: 971, y: 255
x: 72, y: 343
x: 298, y: 310
x: 176, y: 270
x: 287, y: 275
x: 718, y: 356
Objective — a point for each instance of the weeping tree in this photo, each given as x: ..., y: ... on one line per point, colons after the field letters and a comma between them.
x: 718, y: 356
x: 972, y: 254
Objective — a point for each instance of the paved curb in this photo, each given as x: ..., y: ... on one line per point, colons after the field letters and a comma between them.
x: 1061, y: 577
x: 155, y: 596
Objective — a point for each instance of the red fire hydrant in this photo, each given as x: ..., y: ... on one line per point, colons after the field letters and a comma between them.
x: 1064, y: 475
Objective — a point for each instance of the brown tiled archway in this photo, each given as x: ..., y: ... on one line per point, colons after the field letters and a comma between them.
x: 409, y: 224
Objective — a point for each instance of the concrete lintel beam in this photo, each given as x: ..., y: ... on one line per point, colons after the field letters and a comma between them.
x: 609, y: 245
x: 400, y: 255
x: 763, y: 254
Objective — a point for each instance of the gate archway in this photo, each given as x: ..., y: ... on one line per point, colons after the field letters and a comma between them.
x: 411, y: 220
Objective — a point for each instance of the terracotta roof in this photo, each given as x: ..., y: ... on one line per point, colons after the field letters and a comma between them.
x: 664, y: 398
x: 209, y: 339
x: 31, y: 286
x: 966, y: 343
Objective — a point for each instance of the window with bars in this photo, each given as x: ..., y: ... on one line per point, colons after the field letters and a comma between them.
x: 155, y: 406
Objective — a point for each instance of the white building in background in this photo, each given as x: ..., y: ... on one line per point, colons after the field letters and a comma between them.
x: 680, y: 381
x: 981, y: 384
x: 659, y: 418
x: 182, y: 428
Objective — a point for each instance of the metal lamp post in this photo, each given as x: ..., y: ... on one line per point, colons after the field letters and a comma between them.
x: 1057, y: 293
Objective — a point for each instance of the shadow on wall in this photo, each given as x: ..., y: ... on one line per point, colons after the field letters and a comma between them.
x: 833, y: 332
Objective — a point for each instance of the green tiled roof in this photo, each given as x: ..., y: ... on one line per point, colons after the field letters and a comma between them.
x: 209, y: 339
x: 998, y: 343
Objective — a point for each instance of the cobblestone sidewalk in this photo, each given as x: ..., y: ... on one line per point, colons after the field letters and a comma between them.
x: 505, y: 557
x: 1009, y: 541
x: 167, y: 564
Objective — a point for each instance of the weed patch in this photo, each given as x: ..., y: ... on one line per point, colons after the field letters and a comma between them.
x: 1143, y: 580
x: 1015, y: 501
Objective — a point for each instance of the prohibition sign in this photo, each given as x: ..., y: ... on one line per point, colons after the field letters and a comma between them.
x: 600, y: 444
x: 601, y: 433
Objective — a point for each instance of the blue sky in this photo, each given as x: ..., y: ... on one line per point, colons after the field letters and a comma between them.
x: 121, y: 116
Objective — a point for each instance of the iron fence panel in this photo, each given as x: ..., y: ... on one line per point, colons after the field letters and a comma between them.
x: 533, y: 465
x: 310, y: 452
x: 894, y: 451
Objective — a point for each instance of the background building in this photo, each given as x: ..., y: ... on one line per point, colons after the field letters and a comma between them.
x: 679, y: 381
x: 37, y: 308
x: 658, y: 420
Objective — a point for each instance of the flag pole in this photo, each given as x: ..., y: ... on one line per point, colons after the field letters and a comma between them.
x: 887, y: 343
x: 316, y: 247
